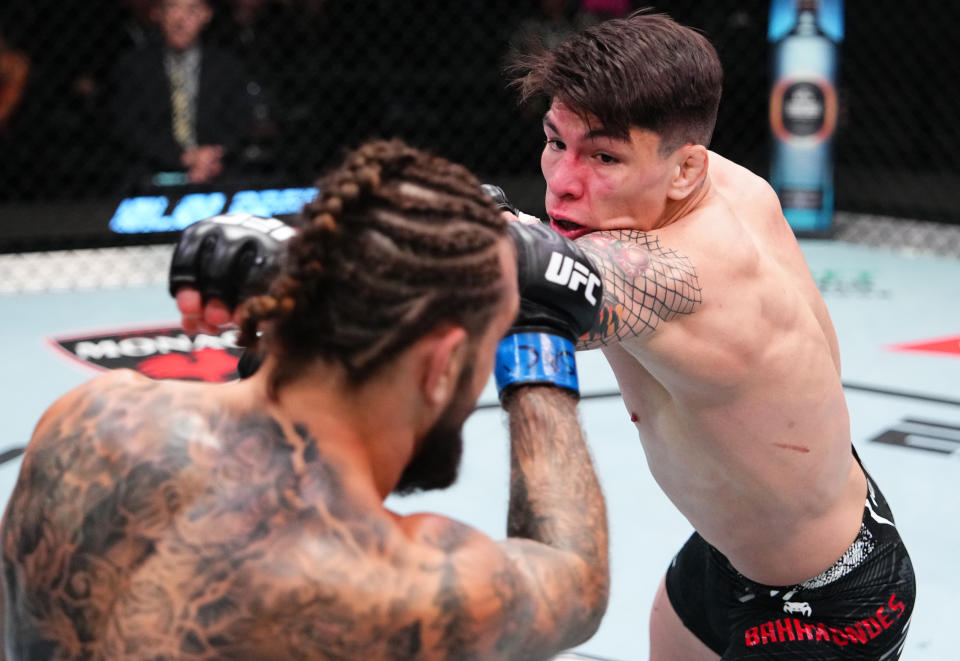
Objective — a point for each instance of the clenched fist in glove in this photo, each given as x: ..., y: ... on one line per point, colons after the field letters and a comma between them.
x: 220, y: 262
x: 560, y: 296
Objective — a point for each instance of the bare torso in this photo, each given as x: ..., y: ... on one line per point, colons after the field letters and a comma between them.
x: 168, y: 520
x: 739, y: 405
x: 174, y: 520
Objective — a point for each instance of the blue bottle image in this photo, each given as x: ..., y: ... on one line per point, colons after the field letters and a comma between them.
x: 804, y: 37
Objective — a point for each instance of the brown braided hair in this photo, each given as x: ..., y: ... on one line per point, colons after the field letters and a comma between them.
x: 396, y: 242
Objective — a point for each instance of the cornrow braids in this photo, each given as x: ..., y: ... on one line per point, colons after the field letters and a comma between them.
x: 397, y: 242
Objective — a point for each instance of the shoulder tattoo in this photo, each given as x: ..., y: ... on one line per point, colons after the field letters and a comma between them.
x: 644, y: 284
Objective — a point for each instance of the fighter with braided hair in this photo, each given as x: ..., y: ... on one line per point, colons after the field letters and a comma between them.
x: 164, y: 519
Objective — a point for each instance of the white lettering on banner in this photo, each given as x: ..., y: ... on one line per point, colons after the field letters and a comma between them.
x: 229, y: 338
x: 97, y: 350
x: 166, y: 344
x: 140, y: 346
x: 203, y: 341
x: 137, y: 346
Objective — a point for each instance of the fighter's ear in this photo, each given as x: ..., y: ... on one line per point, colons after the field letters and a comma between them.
x: 690, y: 162
x: 444, y: 357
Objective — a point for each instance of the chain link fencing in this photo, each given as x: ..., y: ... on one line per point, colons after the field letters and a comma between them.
x: 82, y: 123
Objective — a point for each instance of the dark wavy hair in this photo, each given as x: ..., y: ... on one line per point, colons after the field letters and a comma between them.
x: 397, y: 242
x: 644, y: 71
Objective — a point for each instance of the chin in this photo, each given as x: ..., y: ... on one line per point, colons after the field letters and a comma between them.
x: 436, y: 463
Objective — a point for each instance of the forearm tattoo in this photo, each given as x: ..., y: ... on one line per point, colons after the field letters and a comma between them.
x: 644, y: 284
x: 555, y: 496
x: 148, y: 524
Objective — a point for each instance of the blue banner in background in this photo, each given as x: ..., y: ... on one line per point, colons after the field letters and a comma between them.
x: 153, y: 213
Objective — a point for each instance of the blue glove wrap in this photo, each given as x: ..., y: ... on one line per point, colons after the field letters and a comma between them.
x: 524, y: 358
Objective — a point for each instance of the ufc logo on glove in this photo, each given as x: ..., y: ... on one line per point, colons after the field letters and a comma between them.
x: 564, y: 270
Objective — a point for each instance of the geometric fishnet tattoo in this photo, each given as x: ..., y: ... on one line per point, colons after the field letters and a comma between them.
x: 643, y: 282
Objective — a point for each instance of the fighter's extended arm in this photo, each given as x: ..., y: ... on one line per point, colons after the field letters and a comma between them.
x: 644, y: 284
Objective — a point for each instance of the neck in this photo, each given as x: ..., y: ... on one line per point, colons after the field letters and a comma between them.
x: 677, y: 209
x: 180, y: 52
x: 366, y: 427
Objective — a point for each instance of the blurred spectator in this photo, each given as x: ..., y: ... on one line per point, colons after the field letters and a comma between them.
x: 272, y: 39
x: 137, y: 25
x: 182, y: 105
x: 64, y: 136
x: 14, y: 67
x: 256, y: 31
x: 122, y: 26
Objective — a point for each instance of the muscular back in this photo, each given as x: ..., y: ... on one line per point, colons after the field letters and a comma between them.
x: 734, y: 379
x: 168, y: 520
x: 132, y: 529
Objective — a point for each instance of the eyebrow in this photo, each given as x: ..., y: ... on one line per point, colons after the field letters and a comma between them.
x: 592, y: 134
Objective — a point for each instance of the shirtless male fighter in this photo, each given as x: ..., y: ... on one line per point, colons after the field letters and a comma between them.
x: 176, y: 520
x: 725, y: 354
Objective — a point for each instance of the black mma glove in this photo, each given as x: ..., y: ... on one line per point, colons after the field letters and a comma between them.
x: 230, y: 257
x: 504, y: 204
x: 500, y: 198
x: 560, y: 296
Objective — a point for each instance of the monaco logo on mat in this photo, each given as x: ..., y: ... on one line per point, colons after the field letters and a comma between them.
x: 164, y: 352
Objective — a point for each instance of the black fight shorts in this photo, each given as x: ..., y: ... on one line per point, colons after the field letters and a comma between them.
x: 859, y: 608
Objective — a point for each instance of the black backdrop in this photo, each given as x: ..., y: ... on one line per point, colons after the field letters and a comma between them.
x: 325, y: 74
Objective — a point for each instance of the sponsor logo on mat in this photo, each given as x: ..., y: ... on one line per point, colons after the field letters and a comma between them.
x: 164, y: 352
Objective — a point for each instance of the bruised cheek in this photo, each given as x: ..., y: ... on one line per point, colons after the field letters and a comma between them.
x: 612, y: 197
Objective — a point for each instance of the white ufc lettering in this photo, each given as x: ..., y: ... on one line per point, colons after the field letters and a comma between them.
x: 564, y: 270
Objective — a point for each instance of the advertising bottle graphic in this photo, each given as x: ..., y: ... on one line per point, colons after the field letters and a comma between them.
x: 804, y: 37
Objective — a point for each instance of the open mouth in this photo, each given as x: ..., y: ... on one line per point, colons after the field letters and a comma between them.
x: 567, y: 228
x: 567, y: 225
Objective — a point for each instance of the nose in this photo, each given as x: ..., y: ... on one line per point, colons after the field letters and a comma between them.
x: 564, y: 177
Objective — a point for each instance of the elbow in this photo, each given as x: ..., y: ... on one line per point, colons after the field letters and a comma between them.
x: 595, y: 597
x: 598, y: 605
